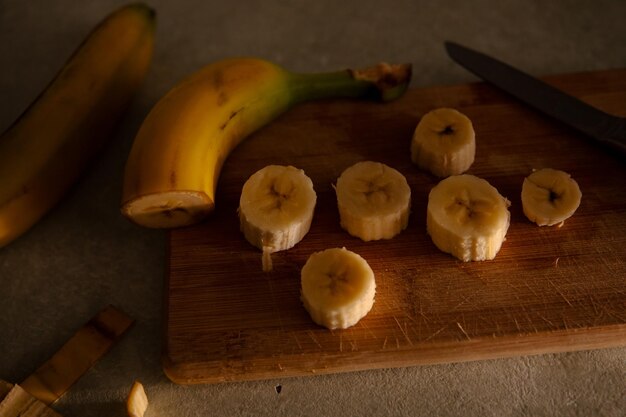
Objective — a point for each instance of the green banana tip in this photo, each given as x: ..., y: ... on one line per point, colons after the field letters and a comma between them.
x: 143, y: 8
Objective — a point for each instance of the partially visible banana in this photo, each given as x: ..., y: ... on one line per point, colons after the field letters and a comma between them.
x: 276, y: 209
x: 174, y: 164
x: 46, y: 149
x: 467, y: 217
x: 444, y: 142
x: 337, y: 288
x: 374, y: 201
x: 550, y: 196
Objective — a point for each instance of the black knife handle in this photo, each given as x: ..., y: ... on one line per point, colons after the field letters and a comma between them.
x: 615, y: 134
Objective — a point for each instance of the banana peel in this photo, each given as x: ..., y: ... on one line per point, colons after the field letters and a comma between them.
x: 50, y: 145
x: 174, y: 165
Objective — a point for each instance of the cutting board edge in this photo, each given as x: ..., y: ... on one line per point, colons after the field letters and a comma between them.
x: 484, y: 348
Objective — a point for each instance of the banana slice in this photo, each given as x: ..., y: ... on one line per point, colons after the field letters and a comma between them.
x: 444, y: 143
x: 276, y: 209
x: 374, y: 201
x: 137, y: 401
x: 550, y: 196
x: 467, y: 218
x: 338, y: 288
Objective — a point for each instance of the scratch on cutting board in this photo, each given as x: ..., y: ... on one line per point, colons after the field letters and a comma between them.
x: 403, y: 330
x: 353, y: 345
x: 560, y: 293
x: 369, y: 331
x: 423, y: 315
x: 465, y: 300
x: 421, y: 310
x: 435, y: 334
x: 314, y: 338
x: 556, y: 262
x: 617, y: 290
x: 297, y: 341
x: 530, y: 321
x: 547, y: 321
x: 594, y: 306
x: 532, y: 290
x: 384, y: 343
x: 463, y: 330
x: 613, y: 314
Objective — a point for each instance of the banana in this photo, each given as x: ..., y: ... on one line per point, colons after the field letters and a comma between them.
x: 550, y: 196
x: 337, y: 288
x: 136, y: 401
x: 276, y: 209
x: 467, y: 217
x: 46, y: 149
x: 374, y: 201
x: 444, y: 142
x: 173, y: 167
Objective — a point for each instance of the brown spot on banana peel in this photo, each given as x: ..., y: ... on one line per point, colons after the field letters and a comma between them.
x: 218, y: 79
x: 231, y: 117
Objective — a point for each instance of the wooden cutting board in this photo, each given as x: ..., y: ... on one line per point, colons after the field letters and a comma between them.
x: 549, y: 289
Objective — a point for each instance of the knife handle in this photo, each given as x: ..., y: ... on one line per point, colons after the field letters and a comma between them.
x: 614, y: 134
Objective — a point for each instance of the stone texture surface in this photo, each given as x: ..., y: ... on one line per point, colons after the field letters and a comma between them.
x: 84, y: 255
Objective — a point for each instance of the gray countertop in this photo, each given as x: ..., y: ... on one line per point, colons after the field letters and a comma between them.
x: 84, y: 255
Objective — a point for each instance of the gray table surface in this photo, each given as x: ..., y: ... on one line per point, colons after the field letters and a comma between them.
x: 84, y: 255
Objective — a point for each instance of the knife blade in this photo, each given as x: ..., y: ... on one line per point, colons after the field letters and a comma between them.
x: 606, y: 128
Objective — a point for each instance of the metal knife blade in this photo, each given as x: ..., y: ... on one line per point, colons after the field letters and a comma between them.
x: 606, y: 128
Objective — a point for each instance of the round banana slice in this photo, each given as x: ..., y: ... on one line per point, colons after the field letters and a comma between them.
x: 338, y: 288
x: 276, y: 209
x: 550, y: 196
x: 374, y: 201
x: 467, y: 218
x: 444, y: 143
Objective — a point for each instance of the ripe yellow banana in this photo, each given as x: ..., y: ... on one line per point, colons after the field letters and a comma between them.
x: 174, y: 164
x: 51, y: 143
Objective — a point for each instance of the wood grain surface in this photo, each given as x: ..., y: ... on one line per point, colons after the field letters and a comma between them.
x: 549, y: 289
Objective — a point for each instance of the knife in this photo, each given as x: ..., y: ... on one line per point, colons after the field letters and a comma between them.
x: 606, y: 128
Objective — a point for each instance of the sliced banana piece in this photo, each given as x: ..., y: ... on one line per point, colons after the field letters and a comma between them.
x: 550, y: 196
x: 444, y: 142
x: 467, y: 217
x: 374, y: 201
x: 137, y: 401
x: 276, y: 209
x: 338, y: 288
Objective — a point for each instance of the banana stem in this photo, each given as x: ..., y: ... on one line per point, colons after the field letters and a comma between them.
x: 382, y: 82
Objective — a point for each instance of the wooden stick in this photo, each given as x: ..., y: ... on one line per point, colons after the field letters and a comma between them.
x: 78, y: 354
x: 19, y: 403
